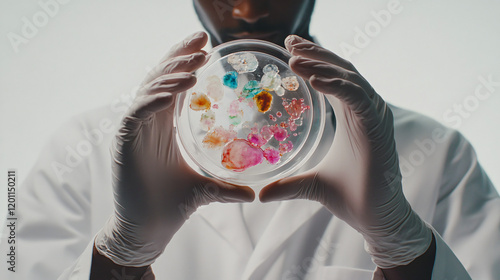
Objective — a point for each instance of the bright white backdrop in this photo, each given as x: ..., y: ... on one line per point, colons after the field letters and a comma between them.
x: 428, y: 57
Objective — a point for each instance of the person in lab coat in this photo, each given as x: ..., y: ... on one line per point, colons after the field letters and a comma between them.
x: 342, y: 216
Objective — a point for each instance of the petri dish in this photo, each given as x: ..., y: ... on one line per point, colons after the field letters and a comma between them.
x: 249, y: 120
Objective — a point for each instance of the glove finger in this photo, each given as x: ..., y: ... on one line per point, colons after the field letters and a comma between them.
x: 173, y: 83
x: 184, y: 63
x: 304, y: 186
x: 306, y: 67
x: 146, y: 105
x: 298, y: 46
x: 219, y: 191
x: 191, y: 44
x: 348, y: 93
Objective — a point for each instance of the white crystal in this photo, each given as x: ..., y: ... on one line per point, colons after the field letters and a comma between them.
x: 270, y: 81
x: 290, y: 83
x: 243, y: 62
x: 270, y: 68
x: 280, y: 91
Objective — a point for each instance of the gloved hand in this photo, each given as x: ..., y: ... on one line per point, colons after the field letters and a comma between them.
x: 359, y: 179
x: 155, y: 190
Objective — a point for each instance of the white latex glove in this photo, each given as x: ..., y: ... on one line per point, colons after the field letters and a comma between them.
x: 359, y: 179
x: 155, y: 190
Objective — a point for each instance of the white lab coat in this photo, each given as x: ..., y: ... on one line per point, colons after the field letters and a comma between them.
x: 442, y: 181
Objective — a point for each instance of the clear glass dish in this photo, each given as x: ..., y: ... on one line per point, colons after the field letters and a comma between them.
x: 249, y: 120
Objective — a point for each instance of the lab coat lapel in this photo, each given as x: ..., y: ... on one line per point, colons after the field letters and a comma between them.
x: 226, y: 219
x: 290, y: 216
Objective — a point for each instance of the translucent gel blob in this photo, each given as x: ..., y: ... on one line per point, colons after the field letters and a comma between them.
x: 280, y: 91
x: 207, y: 120
x: 290, y: 83
x: 243, y: 62
x: 270, y: 68
x: 266, y: 132
x: 270, y: 81
x: 235, y: 120
x: 214, y: 88
x: 234, y: 108
x: 218, y: 137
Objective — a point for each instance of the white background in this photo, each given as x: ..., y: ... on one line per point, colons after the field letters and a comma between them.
x: 427, y: 58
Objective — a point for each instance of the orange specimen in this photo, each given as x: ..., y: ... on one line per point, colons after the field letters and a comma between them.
x: 199, y: 101
x: 218, y: 137
x: 263, y: 101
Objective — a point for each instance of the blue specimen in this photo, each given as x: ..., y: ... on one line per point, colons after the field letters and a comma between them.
x: 230, y: 79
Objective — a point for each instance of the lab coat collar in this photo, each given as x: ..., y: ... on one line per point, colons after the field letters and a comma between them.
x: 227, y: 220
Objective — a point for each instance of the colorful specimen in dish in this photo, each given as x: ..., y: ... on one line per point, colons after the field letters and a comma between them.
x: 239, y: 154
x: 199, y: 102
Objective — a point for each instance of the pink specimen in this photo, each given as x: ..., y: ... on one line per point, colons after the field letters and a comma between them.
x: 255, y: 128
x: 266, y: 132
x: 256, y: 139
x: 272, y: 155
x: 271, y: 117
x: 239, y: 155
x: 292, y: 124
x: 250, y: 102
x: 286, y: 147
x: 278, y: 114
x: 215, y: 106
x: 280, y: 133
x: 295, y: 108
x: 234, y: 108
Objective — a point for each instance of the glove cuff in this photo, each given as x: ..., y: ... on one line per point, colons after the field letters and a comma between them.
x: 116, y: 242
x: 401, y: 240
